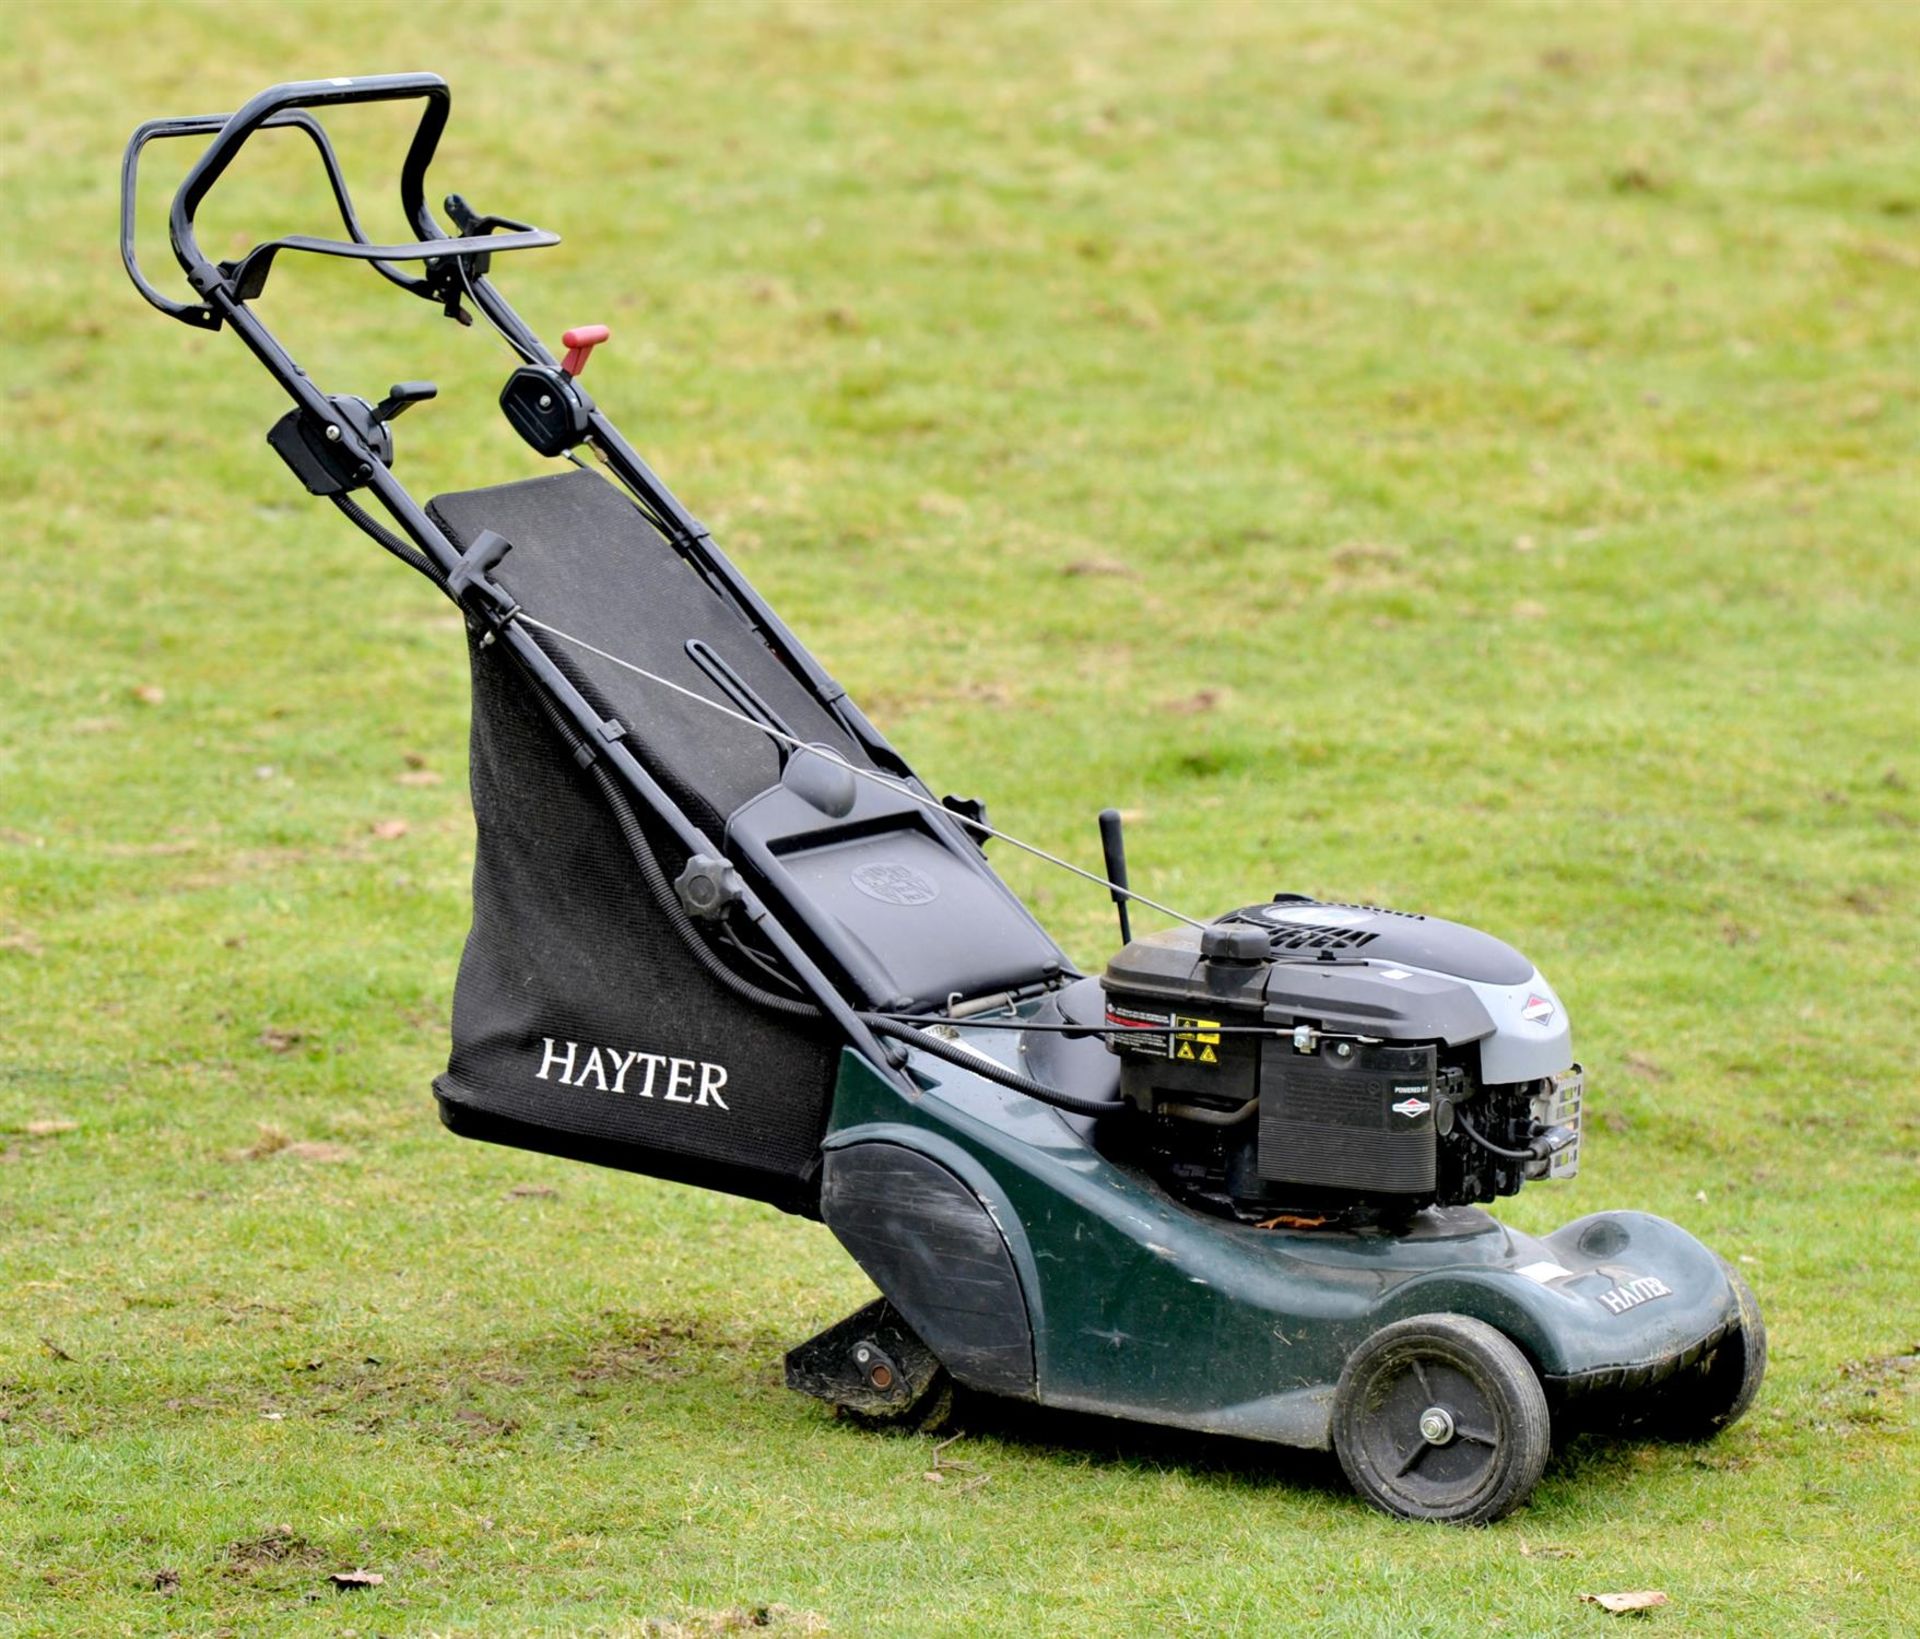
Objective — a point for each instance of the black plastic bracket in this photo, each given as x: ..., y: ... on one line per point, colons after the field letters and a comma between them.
x: 474, y: 572
x: 547, y: 407
x: 331, y: 457
x: 972, y: 811
x: 692, y: 535
x: 609, y: 730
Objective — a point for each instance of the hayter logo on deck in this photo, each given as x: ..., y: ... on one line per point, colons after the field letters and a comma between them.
x: 1630, y: 1294
x: 635, y: 1074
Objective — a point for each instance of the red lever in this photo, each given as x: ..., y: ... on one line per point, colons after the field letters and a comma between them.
x: 580, y: 342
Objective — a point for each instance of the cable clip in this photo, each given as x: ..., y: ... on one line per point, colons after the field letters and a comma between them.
x: 477, y: 562
x: 473, y: 573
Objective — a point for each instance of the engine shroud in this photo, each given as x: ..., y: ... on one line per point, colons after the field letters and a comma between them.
x: 1316, y: 1060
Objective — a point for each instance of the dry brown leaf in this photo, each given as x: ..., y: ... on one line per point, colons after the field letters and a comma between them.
x: 164, y: 1581
x: 774, y: 293
x: 48, y: 1129
x: 419, y: 776
x: 281, y: 1041
x: 1620, y: 1604
x: 388, y: 829
x: 150, y: 694
x: 356, y: 1579
x: 1546, y: 1550
x: 315, y: 1150
x: 1101, y: 566
x: 533, y: 1192
x: 1374, y: 555
x: 1194, y: 704
x: 25, y: 943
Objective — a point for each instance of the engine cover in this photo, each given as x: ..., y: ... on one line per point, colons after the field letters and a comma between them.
x: 1306, y: 1056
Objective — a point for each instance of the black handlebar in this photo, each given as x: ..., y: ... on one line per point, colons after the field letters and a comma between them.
x: 302, y: 94
x: 284, y: 106
x: 199, y: 125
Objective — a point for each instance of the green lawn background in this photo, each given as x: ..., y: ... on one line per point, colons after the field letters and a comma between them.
x: 1459, y: 457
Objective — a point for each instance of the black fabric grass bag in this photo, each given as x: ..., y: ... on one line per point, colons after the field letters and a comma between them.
x: 582, y: 1026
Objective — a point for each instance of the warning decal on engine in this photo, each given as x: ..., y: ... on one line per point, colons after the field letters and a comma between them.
x: 1197, y: 1039
x: 1163, y: 1035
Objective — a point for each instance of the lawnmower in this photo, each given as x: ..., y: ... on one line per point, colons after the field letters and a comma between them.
x: 723, y: 934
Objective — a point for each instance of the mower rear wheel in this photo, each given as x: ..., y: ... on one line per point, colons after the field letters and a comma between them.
x: 928, y: 1413
x: 1700, y: 1403
x: 1440, y: 1417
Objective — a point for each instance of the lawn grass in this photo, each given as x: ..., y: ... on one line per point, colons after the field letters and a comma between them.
x: 1463, y: 458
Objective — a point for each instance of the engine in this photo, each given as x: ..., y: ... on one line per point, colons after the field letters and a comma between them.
x: 1302, y: 1062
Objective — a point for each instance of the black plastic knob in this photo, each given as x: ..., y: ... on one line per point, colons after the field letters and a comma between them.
x: 1230, y: 942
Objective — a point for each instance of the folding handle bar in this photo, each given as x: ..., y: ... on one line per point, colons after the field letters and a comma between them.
x: 199, y: 125
x: 301, y: 94
x: 249, y: 274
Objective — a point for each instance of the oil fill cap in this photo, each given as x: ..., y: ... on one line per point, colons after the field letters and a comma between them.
x: 1228, y: 942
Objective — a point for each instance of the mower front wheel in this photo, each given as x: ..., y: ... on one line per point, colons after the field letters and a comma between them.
x: 1440, y: 1417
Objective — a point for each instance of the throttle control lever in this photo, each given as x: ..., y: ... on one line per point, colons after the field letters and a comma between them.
x: 401, y: 397
x: 547, y: 406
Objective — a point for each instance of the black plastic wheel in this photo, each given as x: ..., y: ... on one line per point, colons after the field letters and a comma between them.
x: 1441, y: 1418
x: 929, y: 1411
x: 1717, y: 1393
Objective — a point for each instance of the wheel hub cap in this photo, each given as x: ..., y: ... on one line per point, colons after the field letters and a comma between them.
x: 1436, y: 1425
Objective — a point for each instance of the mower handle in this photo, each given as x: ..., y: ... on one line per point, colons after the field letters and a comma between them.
x: 195, y: 125
x: 282, y: 104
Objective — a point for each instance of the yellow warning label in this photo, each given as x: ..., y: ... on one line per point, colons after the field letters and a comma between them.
x: 1198, y: 1040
